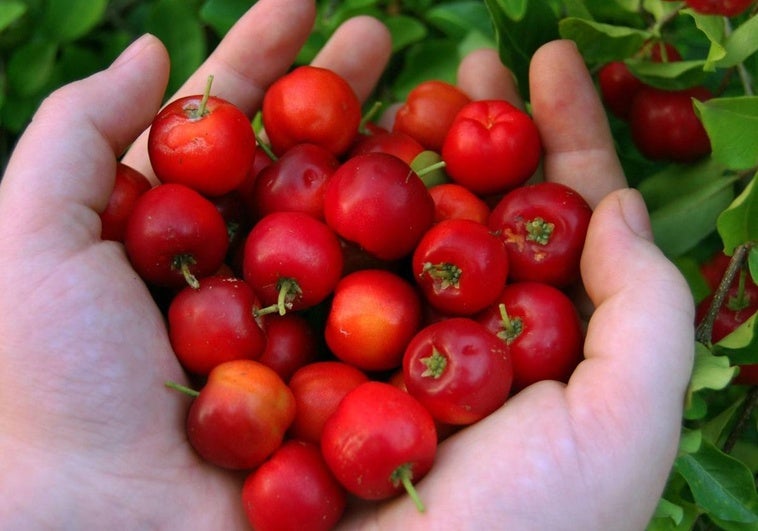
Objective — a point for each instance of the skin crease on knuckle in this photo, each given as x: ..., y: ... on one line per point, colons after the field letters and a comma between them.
x: 143, y: 471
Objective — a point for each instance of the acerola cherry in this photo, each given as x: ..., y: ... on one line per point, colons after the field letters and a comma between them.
x: 373, y: 315
x: 214, y: 323
x: 292, y: 261
x: 541, y: 329
x: 175, y: 236
x: 203, y: 142
x: 453, y: 201
x: 460, y: 266
x: 491, y: 147
x: 241, y: 415
x: 313, y: 105
x: 128, y: 186
x: 458, y: 370
x: 428, y: 111
x: 379, y: 440
x: 726, y: 8
x: 378, y: 202
x: 296, y: 181
x: 543, y: 226
x: 664, y: 125
x: 292, y: 491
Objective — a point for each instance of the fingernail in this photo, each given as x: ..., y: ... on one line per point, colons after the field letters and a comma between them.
x: 635, y: 213
x: 132, y: 50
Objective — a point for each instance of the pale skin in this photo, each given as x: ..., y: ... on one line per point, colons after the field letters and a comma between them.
x: 91, y: 437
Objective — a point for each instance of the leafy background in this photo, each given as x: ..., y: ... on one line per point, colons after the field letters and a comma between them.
x: 696, y: 209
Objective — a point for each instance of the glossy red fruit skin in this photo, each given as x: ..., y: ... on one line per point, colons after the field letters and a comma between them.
x: 311, y: 105
x: 373, y: 315
x: 543, y: 226
x: 397, y: 143
x: 460, y: 266
x: 291, y: 343
x: 547, y: 340
x: 240, y: 416
x: 476, y: 374
x: 294, y: 490
x: 664, y: 125
x: 211, y: 154
x: 726, y: 8
x: 453, y: 201
x: 295, y: 246
x: 618, y: 86
x: 170, y: 221
x: 428, y: 112
x: 214, y: 323
x: 295, y: 182
x: 378, y: 202
x: 491, y: 147
x: 319, y: 387
x: 377, y: 429
x: 127, y: 187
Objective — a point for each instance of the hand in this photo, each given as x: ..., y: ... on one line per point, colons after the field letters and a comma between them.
x: 90, y: 435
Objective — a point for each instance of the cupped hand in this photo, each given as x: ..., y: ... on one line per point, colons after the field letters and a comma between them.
x: 84, y: 352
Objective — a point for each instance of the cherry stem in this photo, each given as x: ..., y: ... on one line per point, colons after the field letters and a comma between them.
x: 368, y: 116
x: 403, y: 475
x: 430, y: 168
x: 182, y: 389
x: 288, y: 289
x: 183, y: 262
x: 266, y: 148
x: 206, y: 95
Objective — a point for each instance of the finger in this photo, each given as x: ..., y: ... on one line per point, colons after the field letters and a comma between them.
x: 67, y: 157
x: 358, y: 51
x: 258, y: 49
x: 640, y: 340
x: 483, y: 76
x: 579, y: 149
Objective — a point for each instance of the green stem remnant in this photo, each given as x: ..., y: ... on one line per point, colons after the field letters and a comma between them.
x: 435, y: 364
x: 538, y: 230
x: 428, y: 169
x: 289, y: 290
x: 182, y: 263
x: 444, y: 274
x: 182, y: 389
x: 206, y: 94
x: 512, y: 328
x: 403, y: 474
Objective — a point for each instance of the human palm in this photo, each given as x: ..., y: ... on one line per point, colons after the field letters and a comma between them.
x: 85, y: 352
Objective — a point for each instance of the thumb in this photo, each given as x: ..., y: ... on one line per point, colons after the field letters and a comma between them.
x: 640, y: 340
x: 67, y: 157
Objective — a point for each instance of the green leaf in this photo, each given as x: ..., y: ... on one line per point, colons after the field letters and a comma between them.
x: 713, y: 28
x: 601, y: 43
x: 714, y: 429
x: 221, y: 15
x: 720, y: 484
x: 667, y: 509
x: 672, y: 75
x: 741, y: 346
x: 67, y: 20
x: 405, y: 31
x: 518, y: 39
x: 731, y: 124
x: 682, y: 223
x: 175, y: 22
x: 30, y: 67
x: 10, y: 12
x: 676, y: 180
x: 738, y: 223
x: 430, y: 59
x: 458, y: 19
x: 741, y: 44
x: 513, y: 9
x: 709, y: 371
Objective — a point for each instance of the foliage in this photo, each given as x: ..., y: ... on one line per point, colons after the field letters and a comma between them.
x: 696, y: 209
